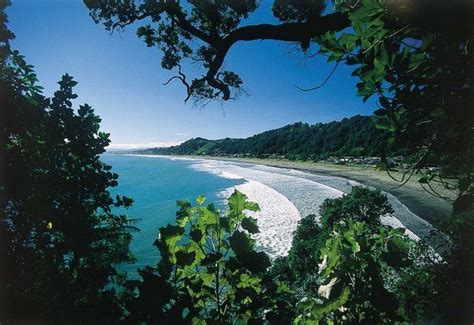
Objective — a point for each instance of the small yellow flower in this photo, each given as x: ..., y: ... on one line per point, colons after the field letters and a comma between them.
x: 50, y: 225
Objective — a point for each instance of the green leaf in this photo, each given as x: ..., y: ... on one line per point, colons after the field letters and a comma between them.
x: 184, y: 258
x: 250, y: 224
x: 208, y: 217
x: 200, y: 199
x: 385, y: 124
x: 332, y: 304
x: 255, y: 261
x: 196, y: 235
x: 396, y: 254
x: 211, y: 259
x: 171, y: 234
x: 251, y: 206
x: 415, y: 60
x: 384, y: 102
x: 241, y: 243
x: 236, y: 204
x: 335, y: 56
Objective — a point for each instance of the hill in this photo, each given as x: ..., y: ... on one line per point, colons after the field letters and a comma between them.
x: 355, y: 136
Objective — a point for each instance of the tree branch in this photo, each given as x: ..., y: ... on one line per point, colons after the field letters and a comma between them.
x: 174, y: 10
x: 288, y: 32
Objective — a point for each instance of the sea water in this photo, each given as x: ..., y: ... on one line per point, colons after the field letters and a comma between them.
x: 155, y: 184
x: 284, y: 196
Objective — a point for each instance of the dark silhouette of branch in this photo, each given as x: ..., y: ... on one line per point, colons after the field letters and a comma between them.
x: 417, y: 166
x: 301, y: 32
x: 290, y: 32
x: 182, y: 78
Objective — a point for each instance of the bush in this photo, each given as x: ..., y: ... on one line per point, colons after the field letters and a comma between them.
x: 60, y: 241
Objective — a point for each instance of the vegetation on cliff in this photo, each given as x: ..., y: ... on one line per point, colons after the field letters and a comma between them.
x: 355, y: 136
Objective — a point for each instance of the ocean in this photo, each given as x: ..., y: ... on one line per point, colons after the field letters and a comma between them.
x: 284, y: 195
x: 155, y: 184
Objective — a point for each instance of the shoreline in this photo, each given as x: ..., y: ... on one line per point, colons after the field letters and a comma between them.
x: 304, y: 188
x: 433, y: 209
x: 275, y: 233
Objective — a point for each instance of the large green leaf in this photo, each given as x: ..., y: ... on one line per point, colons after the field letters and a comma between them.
x: 250, y: 224
x: 241, y: 243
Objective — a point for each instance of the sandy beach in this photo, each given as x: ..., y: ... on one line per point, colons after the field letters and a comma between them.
x: 287, y: 191
x: 429, y: 207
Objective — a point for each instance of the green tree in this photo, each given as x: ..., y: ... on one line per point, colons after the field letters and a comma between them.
x: 347, y: 266
x: 419, y: 64
x: 209, y: 270
x: 351, y: 276
x: 298, y: 140
x: 60, y: 240
x: 361, y: 204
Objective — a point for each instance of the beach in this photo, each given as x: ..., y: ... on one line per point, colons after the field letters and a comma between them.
x: 433, y: 209
x: 289, y: 192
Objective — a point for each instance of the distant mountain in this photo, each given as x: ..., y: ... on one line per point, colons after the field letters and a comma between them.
x: 355, y: 136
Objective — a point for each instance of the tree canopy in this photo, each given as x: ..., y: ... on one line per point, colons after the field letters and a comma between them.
x: 415, y: 57
x: 59, y: 238
x: 215, y: 26
x: 355, y: 136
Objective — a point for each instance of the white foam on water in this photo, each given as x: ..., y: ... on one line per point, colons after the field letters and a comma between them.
x: 284, y: 195
x: 208, y: 166
x: 402, y: 217
x: 304, y: 193
x: 277, y: 218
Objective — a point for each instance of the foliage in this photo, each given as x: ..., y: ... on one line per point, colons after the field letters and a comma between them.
x: 350, y: 267
x: 362, y: 204
x: 417, y: 59
x: 297, y: 10
x: 355, y: 136
x: 60, y: 241
x: 457, y: 276
x: 299, y: 270
x: 351, y: 276
x: 173, y: 29
x: 421, y: 72
x: 419, y: 64
x: 204, y: 31
x: 209, y: 270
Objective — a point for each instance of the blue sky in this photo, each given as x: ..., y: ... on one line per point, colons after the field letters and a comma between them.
x: 122, y: 79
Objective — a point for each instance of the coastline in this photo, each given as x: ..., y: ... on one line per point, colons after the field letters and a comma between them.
x: 286, y: 192
x: 428, y: 207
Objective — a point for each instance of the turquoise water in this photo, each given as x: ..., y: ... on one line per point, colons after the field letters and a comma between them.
x: 155, y: 184
x: 284, y: 196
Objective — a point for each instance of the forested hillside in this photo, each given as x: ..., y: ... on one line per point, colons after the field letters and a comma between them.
x: 355, y: 136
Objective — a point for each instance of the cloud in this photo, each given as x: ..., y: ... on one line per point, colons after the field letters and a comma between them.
x: 181, y: 134
x: 127, y: 146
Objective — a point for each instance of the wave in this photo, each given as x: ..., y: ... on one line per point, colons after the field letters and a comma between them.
x: 285, y: 195
x: 277, y: 218
x: 307, y: 191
